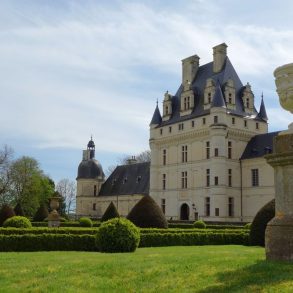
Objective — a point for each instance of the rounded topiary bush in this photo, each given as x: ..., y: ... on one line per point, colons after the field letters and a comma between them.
x: 41, y: 214
x: 110, y: 213
x: 117, y: 235
x: 147, y: 214
x: 85, y: 222
x: 199, y: 224
x: 17, y: 222
x: 5, y: 213
x: 259, y: 223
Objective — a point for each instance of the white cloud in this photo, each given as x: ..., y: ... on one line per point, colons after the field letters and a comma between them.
x: 99, y: 69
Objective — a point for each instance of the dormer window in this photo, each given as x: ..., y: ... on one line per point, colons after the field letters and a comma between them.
x: 124, y: 180
x: 248, y: 99
x: 114, y: 181
x: 229, y: 93
x: 209, y: 92
x: 138, y: 179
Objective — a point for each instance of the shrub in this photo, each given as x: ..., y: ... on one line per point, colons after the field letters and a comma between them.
x: 5, y: 213
x: 199, y: 224
x: 85, y: 222
x: 147, y: 214
x: 117, y: 235
x: 18, y: 210
x: 41, y: 214
x: 259, y: 223
x: 17, y: 222
x: 247, y: 226
x: 110, y: 213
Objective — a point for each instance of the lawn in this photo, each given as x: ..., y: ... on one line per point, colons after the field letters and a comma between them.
x: 165, y: 269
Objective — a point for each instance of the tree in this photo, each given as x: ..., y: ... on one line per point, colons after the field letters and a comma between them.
x: 67, y: 190
x: 29, y: 186
x: 110, y: 213
x: 6, y: 154
x: 142, y: 157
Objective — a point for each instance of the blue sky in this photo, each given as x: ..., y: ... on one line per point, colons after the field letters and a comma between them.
x: 69, y: 69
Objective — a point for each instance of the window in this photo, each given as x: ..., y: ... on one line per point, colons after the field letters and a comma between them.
x: 95, y: 190
x: 166, y: 110
x: 184, y: 154
x: 229, y: 149
x: 181, y: 126
x: 203, y: 121
x: 231, y: 207
x: 170, y: 129
x: 217, y: 212
x: 216, y: 180
x: 207, y: 149
x: 245, y: 123
x: 247, y: 103
x: 233, y: 120
x: 256, y: 125
x: 124, y: 180
x: 216, y: 152
x: 254, y: 177
x: 163, y: 205
x: 184, y: 179
x: 161, y: 131
x: 230, y: 98
x: 94, y: 206
x: 215, y: 119
x: 207, y: 206
x: 209, y: 98
x: 208, y: 177
x: 188, y: 102
x: 229, y: 177
x: 164, y: 182
x: 164, y: 157
x: 192, y: 123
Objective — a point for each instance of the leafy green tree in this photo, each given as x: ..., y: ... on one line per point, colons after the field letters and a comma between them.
x: 6, y: 154
x: 30, y: 187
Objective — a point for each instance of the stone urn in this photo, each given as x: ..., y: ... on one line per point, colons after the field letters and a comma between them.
x: 279, y: 232
x: 54, y: 217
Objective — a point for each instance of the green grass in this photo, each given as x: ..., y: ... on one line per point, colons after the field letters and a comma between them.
x: 165, y: 269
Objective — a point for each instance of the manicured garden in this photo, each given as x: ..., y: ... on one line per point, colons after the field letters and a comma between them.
x: 228, y: 268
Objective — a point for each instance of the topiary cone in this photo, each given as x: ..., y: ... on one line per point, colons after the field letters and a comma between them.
x: 41, y: 214
x: 147, y: 214
x: 5, y: 213
x: 110, y: 213
x: 259, y: 223
x: 18, y: 210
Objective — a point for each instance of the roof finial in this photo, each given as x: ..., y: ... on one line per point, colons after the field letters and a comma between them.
x: 157, y: 102
x: 262, y: 95
x: 91, y: 137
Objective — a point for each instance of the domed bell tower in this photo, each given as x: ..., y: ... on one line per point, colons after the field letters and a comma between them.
x: 90, y: 177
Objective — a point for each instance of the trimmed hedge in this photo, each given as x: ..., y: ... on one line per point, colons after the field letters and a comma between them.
x: 64, y: 224
x: 47, y: 242
x: 199, y: 224
x: 41, y: 214
x: 17, y: 222
x: 37, y: 231
x: 69, y: 242
x: 187, y: 239
x: 210, y: 226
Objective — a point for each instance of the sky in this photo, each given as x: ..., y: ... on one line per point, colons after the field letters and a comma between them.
x: 72, y: 69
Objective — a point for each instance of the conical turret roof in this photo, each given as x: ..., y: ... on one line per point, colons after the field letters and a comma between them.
x: 218, y: 99
x: 157, y: 118
x: 262, y: 114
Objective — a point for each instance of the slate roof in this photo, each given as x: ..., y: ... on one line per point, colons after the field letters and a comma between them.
x: 89, y: 169
x: 128, y: 179
x: 262, y: 111
x: 259, y: 146
x: 204, y: 72
x: 157, y: 118
x: 218, y: 100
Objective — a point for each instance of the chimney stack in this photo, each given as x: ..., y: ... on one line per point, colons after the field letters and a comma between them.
x: 220, y: 53
x: 189, y: 69
x: 131, y: 160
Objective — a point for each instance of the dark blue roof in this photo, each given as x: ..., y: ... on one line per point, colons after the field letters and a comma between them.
x: 262, y: 111
x: 259, y: 145
x: 128, y: 179
x: 205, y: 72
x: 157, y: 118
x: 218, y: 99
x: 90, y: 169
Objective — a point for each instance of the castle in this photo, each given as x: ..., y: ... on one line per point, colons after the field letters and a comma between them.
x: 207, y: 153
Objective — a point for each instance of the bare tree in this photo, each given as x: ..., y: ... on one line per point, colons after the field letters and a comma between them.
x: 6, y: 154
x: 67, y: 190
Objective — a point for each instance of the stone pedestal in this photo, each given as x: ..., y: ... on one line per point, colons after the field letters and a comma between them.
x: 54, y: 217
x: 279, y: 232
